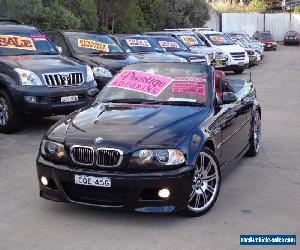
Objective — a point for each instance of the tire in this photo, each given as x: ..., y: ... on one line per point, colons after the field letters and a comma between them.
x: 238, y: 71
x: 255, y: 137
x: 205, y: 186
x: 9, y: 120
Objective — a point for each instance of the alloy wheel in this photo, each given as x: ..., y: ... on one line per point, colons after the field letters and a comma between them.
x: 205, y: 183
x: 257, y: 131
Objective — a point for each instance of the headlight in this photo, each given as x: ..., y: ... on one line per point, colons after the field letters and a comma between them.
x: 167, y: 157
x: 52, y: 150
x: 220, y: 56
x: 89, y: 74
x: 101, y: 72
x: 211, y: 56
x: 28, y: 78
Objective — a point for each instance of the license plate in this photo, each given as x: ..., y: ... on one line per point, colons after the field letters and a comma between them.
x: 291, y: 38
x: 269, y: 45
x: 240, y: 64
x: 92, y: 181
x: 69, y: 98
x: 218, y: 63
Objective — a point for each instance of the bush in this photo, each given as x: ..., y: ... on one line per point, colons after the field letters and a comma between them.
x: 254, y: 6
x: 297, y: 10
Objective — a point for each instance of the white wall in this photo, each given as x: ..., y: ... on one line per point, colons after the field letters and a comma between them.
x: 278, y: 23
x: 248, y: 22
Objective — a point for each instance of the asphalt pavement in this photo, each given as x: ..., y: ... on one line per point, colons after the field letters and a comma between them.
x: 260, y: 195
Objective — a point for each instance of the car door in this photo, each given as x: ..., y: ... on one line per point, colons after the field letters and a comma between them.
x: 233, y: 119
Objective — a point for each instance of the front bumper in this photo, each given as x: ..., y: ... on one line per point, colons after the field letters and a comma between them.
x: 270, y: 46
x: 132, y: 191
x: 48, y: 99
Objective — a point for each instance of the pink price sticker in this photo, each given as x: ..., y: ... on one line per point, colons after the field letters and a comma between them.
x: 142, y: 82
x: 38, y: 37
x: 189, y: 88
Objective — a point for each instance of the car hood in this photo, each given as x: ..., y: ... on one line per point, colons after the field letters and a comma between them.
x: 204, y: 50
x: 113, y: 62
x: 156, y: 57
x: 231, y: 48
x: 189, y: 55
x: 130, y: 126
x: 267, y: 40
x: 42, y: 63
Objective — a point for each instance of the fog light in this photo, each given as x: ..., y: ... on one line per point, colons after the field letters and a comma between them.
x: 30, y: 99
x: 164, y: 193
x: 44, y: 180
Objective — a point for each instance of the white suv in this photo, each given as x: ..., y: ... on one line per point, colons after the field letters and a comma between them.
x: 238, y: 59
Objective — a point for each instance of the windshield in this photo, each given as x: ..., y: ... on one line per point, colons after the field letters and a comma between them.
x: 190, y: 40
x: 140, y: 45
x: 170, y: 44
x: 292, y: 33
x: 219, y: 39
x: 266, y: 36
x: 89, y: 43
x: 160, y: 83
x: 25, y: 43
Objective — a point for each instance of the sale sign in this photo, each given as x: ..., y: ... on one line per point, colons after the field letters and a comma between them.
x: 189, y: 85
x: 91, y: 44
x: 166, y: 44
x: 138, y: 43
x: 16, y: 42
x: 139, y: 81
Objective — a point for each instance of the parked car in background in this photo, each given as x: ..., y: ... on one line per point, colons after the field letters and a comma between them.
x: 35, y: 79
x: 145, y: 49
x: 248, y: 42
x: 291, y: 37
x: 238, y: 59
x: 155, y: 140
x: 174, y: 46
x: 195, y: 44
x: 98, y: 50
x: 266, y: 38
x: 254, y: 57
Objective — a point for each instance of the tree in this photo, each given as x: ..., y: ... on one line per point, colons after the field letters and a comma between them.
x: 33, y: 12
x: 121, y: 16
x: 85, y: 10
x: 180, y: 13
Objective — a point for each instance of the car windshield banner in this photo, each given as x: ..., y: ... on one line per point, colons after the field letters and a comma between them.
x: 138, y: 43
x: 16, y: 42
x: 190, y: 40
x: 91, y: 44
x: 143, y: 82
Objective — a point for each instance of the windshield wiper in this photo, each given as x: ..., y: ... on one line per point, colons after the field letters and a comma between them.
x: 47, y: 53
x: 129, y: 100
x: 178, y: 103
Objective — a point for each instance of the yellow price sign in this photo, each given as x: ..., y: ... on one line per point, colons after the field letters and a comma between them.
x: 91, y: 44
x: 16, y: 42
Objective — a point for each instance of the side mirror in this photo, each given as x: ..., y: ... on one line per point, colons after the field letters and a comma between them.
x: 229, y: 97
x: 59, y: 49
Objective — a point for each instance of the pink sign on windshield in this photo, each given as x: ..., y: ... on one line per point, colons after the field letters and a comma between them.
x: 189, y: 88
x: 143, y: 82
x: 189, y: 85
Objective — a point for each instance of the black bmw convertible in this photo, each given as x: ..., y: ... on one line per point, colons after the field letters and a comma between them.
x: 156, y: 139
